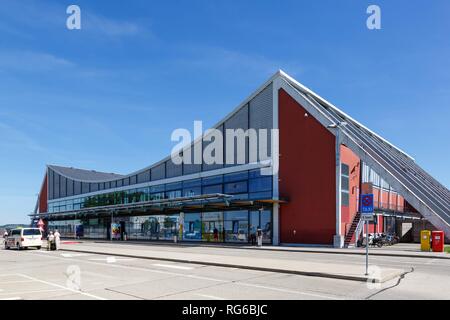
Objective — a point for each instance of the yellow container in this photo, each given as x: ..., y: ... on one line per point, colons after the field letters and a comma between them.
x: 425, y: 237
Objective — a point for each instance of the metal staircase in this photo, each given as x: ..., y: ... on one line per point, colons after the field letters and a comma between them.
x: 351, y: 232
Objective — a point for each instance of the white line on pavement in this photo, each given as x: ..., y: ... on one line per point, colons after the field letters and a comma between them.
x: 286, y: 290
x: 12, y: 298
x: 172, y: 266
x: 73, y: 255
x: 62, y: 287
x: 141, y: 269
x: 112, y: 259
x: 32, y: 291
x: 203, y: 278
x: 18, y: 281
x: 209, y: 296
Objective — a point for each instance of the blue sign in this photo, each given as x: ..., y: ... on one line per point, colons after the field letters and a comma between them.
x: 367, y: 203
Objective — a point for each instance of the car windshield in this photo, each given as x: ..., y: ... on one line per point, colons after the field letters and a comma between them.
x: 31, y: 232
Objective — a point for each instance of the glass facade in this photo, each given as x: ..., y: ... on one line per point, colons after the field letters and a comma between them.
x: 220, y: 226
x: 242, y: 185
x: 227, y: 226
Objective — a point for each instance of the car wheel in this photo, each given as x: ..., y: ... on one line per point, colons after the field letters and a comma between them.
x: 38, y: 247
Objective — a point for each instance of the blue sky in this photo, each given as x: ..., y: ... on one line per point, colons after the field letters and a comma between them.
x: 108, y: 96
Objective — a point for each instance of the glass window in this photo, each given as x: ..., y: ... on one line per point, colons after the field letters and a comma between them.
x: 236, y: 226
x: 212, y: 226
x: 173, y: 186
x: 192, y: 183
x: 193, y: 191
x: 173, y: 194
x: 158, y: 188
x: 260, y: 184
x: 266, y: 225
x: 156, y: 196
x: 143, y: 194
x: 239, y: 176
x: 235, y: 187
x: 345, y: 169
x: 256, y: 173
x: 31, y: 232
x: 212, y: 180
x: 345, y: 198
x: 212, y: 189
x: 192, y: 229
x: 345, y: 183
x: 260, y: 195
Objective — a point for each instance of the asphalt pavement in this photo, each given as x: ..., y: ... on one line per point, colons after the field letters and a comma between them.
x: 40, y: 274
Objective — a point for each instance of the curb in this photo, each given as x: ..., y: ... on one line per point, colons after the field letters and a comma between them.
x: 227, y: 265
x: 386, y: 254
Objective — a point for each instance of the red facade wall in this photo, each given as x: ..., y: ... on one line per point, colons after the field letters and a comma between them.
x: 307, y: 176
x: 349, y: 212
x: 43, y: 197
x: 384, y: 203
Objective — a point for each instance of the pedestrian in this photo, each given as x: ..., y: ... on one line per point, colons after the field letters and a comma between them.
x: 216, y: 235
x: 253, y: 238
x: 50, y: 240
x: 5, y: 236
x: 57, y: 239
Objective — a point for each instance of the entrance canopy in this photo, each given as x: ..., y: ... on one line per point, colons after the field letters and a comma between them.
x: 207, y: 202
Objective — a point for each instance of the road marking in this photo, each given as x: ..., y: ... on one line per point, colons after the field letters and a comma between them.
x: 142, y: 269
x: 209, y: 296
x: 112, y: 259
x: 32, y: 291
x: 286, y: 290
x: 18, y: 281
x: 12, y: 298
x: 62, y: 287
x: 73, y: 255
x: 172, y: 266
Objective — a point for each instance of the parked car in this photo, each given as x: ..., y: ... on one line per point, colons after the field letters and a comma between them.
x: 24, y: 238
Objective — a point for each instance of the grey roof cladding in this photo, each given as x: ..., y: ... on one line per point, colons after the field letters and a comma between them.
x: 84, y: 175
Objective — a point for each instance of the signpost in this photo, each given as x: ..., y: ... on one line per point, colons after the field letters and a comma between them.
x: 367, y: 215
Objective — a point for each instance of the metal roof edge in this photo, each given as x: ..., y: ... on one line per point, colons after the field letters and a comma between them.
x: 305, y: 89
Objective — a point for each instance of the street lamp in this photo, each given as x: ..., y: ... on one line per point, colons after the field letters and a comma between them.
x: 338, y: 238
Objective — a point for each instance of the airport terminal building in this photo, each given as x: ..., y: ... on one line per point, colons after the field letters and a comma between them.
x: 302, y: 187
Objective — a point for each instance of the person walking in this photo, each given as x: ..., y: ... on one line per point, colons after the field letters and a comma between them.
x: 57, y: 239
x: 50, y: 240
x: 5, y: 237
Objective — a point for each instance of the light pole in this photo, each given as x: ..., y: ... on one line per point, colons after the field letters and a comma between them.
x: 338, y: 240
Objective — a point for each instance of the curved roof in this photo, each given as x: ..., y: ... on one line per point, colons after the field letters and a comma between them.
x: 84, y: 175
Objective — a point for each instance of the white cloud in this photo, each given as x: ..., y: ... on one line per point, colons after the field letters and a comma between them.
x: 227, y: 61
x: 12, y: 138
x: 32, y: 61
x: 112, y: 28
x: 18, y: 17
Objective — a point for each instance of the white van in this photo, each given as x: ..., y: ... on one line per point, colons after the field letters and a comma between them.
x: 24, y: 238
